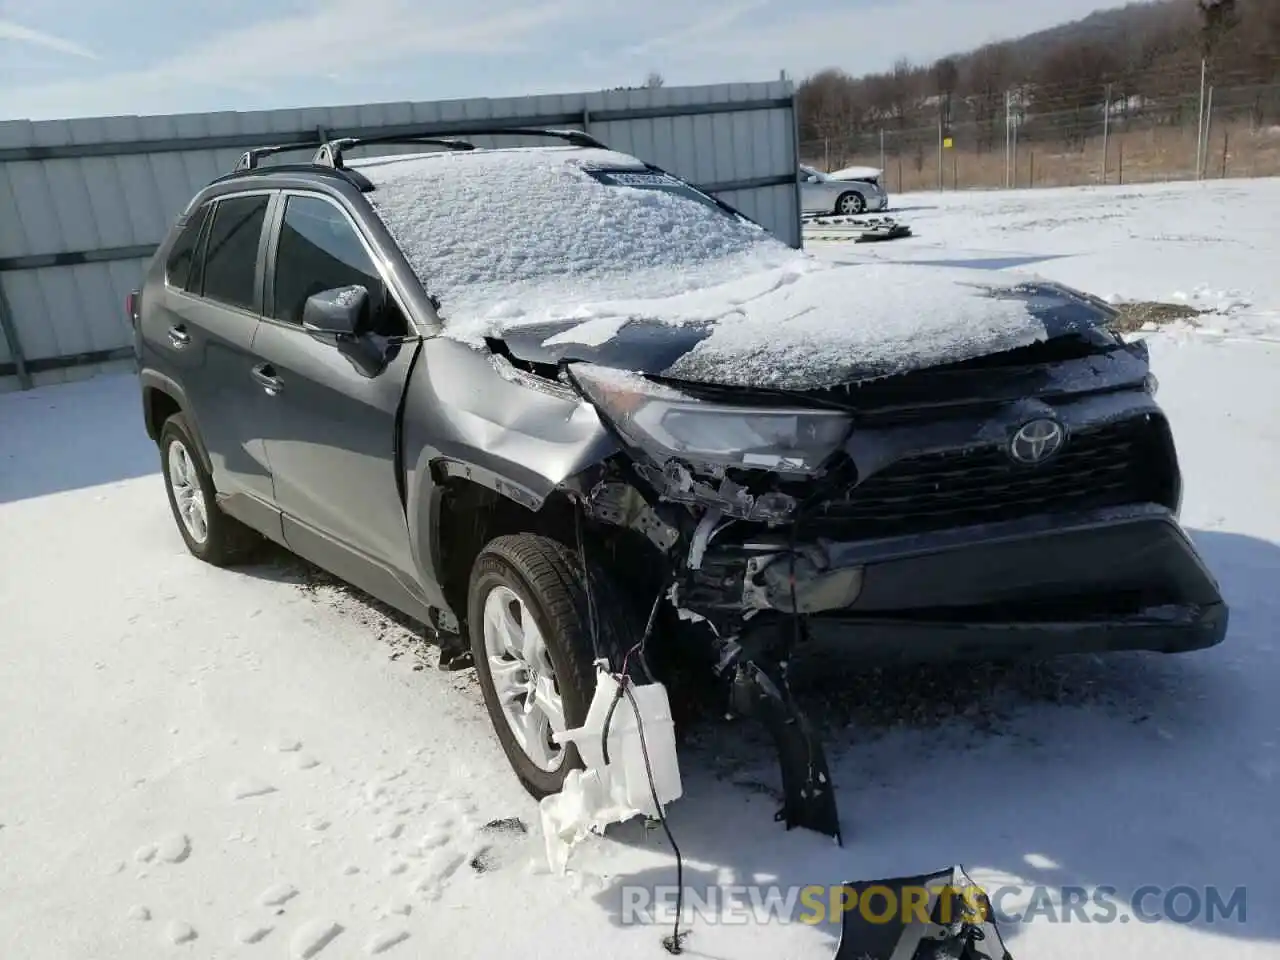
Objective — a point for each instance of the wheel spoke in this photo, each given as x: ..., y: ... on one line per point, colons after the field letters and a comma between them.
x: 507, y: 678
x: 199, y: 519
x: 548, y: 701
x: 537, y: 745
x: 506, y: 630
x: 533, y: 649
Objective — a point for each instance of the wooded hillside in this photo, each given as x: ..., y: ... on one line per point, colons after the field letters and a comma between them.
x: 1143, y: 59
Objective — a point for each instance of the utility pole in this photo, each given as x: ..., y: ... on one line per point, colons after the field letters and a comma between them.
x: 1013, y: 167
x: 1006, y: 140
x: 940, y: 173
x: 1208, y: 128
x: 1106, y: 129
x: 882, y: 150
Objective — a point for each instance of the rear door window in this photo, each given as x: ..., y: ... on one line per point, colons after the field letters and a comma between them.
x: 231, y: 250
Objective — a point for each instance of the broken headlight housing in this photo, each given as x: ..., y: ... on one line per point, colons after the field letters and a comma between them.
x: 667, y: 423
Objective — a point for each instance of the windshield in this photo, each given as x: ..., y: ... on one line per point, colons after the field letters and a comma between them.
x: 543, y: 232
x: 810, y: 172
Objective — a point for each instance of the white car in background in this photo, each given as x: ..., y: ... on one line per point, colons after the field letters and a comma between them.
x: 823, y: 193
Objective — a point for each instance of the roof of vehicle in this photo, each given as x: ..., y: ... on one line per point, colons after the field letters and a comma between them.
x: 502, y: 236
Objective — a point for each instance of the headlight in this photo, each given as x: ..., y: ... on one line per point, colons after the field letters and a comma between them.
x: 668, y: 423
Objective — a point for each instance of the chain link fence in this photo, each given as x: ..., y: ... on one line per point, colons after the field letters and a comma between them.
x: 1070, y: 137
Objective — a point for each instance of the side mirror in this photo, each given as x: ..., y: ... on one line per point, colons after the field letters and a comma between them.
x: 811, y: 179
x: 340, y: 312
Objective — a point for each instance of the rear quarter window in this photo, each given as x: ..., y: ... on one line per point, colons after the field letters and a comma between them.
x: 177, y: 267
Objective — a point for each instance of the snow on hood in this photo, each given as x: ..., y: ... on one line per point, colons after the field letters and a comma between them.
x: 857, y: 173
x: 544, y: 249
x: 500, y: 235
x: 812, y: 324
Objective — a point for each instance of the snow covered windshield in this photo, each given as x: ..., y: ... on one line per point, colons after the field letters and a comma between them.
x: 517, y: 236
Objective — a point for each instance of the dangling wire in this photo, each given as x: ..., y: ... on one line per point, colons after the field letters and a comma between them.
x: 673, y: 943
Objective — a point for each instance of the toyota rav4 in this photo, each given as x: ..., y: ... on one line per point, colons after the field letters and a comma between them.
x: 564, y: 407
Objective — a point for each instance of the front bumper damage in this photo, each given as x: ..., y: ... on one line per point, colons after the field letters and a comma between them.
x: 938, y: 549
x: 1107, y: 580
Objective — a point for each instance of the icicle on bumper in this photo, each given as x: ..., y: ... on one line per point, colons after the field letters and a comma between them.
x: 624, y: 723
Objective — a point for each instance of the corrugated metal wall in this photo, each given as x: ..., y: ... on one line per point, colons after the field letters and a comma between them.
x: 83, y: 202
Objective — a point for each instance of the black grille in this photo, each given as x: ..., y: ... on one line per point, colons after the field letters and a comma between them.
x: 1112, y: 465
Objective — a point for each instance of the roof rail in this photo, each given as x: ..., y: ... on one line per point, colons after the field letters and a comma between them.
x: 330, y: 154
x: 353, y: 177
x: 249, y: 160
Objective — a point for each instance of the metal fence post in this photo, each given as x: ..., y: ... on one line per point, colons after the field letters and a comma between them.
x: 798, y: 219
x: 1207, y: 131
x: 1200, y: 132
x: 10, y: 331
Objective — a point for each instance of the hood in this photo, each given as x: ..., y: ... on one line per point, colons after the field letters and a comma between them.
x: 857, y: 173
x: 820, y: 327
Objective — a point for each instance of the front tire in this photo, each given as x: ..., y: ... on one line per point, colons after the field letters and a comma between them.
x: 529, y: 621
x: 209, y: 534
x: 850, y: 204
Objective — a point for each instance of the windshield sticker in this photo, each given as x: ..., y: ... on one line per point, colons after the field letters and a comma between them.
x: 640, y: 179
x: 649, y: 180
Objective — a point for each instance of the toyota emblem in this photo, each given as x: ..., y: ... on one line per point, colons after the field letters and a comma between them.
x: 1036, y: 441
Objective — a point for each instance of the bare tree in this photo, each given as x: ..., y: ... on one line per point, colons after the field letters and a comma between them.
x: 654, y: 80
x: 1217, y: 19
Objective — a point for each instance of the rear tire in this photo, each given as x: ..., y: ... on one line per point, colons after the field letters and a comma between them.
x: 525, y: 581
x: 210, y: 534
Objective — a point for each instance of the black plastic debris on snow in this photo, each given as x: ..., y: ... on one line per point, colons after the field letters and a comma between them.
x: 858, y: 229
x: 954, y: 920
x: 486, y: 858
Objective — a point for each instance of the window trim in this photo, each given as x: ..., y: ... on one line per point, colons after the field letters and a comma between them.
x: 255, y: 309
x: 273, y: 251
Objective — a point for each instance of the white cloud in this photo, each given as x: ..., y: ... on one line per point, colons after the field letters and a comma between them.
x: 337, y: 35
x: 708, y: 25
x: 602, y: 42
x: 20, y: 34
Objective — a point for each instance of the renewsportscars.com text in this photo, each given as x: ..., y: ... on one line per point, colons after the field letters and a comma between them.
x: 1005, y: 905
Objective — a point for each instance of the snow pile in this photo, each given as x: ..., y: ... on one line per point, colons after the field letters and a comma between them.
x: 499, y: 235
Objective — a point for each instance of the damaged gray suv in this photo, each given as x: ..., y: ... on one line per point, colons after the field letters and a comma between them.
x: 564, y: 407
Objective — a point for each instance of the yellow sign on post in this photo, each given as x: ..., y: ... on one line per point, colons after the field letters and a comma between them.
x: 947, y: 143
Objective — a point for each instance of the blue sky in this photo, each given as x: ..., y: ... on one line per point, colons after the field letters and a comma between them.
x: 65, y: 58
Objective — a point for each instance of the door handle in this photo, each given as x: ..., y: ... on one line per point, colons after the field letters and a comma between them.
x: 179, y: 337
x: 266, y: 377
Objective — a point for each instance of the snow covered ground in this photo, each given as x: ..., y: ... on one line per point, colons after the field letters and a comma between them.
x: 249, y: 763
x: 1209, y: 245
